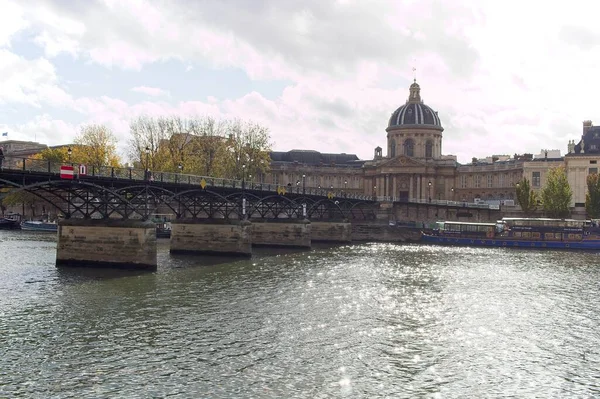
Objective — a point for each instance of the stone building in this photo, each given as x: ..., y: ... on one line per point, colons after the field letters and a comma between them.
x: 16, y: 150
x: 582, y: 160
x: 413, y: 168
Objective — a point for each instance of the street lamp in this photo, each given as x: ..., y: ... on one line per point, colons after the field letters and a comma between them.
x: 297, y: 186
x: 303, y: 184
x: 374, y: 192
x: 243, y: 175
x: 147, y: 150
x: 429, y: 184
x: 180, y: 167
x: 452, y: 189
x: 69, y: 152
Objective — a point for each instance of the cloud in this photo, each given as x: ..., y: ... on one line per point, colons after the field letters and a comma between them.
x: 500, y: 82
x: 150, y: 91
x: 29, y: 81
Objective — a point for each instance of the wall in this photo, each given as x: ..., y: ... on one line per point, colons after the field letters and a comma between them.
x: 281, y: 233
x: 211, y: 236
x: 106, y: 243
x: 331, y: 232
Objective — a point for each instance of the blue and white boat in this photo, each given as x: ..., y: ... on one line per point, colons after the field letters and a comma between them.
x: 541, y: 233
x: 38, y: 225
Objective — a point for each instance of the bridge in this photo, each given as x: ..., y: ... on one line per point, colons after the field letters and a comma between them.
x: 106, y: 211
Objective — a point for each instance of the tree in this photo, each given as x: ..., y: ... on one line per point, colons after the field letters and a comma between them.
x: 95, y: 146
x: 526, y: 197
x: 556, y: 194
x: 202, y: 146
x: 592, y: 198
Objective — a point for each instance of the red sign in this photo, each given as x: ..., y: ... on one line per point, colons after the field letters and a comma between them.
x: 66, y: 172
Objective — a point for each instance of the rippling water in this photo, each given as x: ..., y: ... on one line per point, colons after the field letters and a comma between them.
x: 370, y: 320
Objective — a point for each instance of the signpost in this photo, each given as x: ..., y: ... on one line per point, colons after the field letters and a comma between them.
x: 66, y: 172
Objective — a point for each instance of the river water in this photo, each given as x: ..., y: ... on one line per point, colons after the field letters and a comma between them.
x: 356, y: 321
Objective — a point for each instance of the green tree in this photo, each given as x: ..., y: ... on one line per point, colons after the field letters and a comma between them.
x: 54, y: 155
x: 202, y: 146
x: 526, y: 197
x: 95, y: 145
x: 556, y: 194
x: 592, y: 198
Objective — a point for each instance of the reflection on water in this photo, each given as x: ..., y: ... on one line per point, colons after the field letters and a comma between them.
x: 369, y: 320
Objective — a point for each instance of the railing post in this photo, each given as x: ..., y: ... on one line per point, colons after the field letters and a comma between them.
x: 24, y: 168
x: 112, y: 172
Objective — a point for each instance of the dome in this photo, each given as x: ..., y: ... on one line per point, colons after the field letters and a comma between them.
x: 414, y: 112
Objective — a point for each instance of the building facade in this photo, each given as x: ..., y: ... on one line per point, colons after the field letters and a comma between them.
x: 413, y: 168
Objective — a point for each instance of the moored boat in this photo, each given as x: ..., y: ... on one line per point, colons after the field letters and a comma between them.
x: 38, y: 225
x: 9, y: 224
x: 518, y: 233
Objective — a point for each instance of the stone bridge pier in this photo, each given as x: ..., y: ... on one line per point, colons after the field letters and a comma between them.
x: 129, y: 244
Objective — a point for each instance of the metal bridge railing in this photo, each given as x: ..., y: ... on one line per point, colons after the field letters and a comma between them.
x: 44, y: 166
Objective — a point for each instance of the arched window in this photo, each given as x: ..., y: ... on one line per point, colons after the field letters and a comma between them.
x: 429, y: 149
x: 409, y: 148
x: 392, y: 148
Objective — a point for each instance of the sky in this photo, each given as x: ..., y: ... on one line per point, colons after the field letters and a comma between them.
x: 506, y: 77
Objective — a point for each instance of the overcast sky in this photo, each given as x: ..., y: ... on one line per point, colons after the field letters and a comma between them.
x: 505, y: 76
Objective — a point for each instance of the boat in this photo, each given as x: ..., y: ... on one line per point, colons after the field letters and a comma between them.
x: 163, y: 224
x: 163, y: 230
x: 542, y: 233
x: 9, y: 223
x: 38, y: 225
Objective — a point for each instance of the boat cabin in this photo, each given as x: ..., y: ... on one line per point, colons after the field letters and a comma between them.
x: 467, y: 229
x: 546, y: 229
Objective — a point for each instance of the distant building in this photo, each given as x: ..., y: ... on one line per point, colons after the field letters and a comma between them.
x: 16, y: 150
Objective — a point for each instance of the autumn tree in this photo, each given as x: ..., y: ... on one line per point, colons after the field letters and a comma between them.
x: 592, y: 198
x: 556, y: 194
x: 526, y: 197
x: 202, y: 146
x: 95, y: 146
x: 54, y: 155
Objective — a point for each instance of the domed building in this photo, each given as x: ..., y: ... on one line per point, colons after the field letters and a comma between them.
x: 414, y: 167
x: 414, y: 129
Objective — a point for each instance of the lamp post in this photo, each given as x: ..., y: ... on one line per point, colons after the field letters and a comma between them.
x: 297, y: 186
x: 429, y: 188
x: 69, y: 152
x: 243, y: 192
x: 345, y: 188
x: 374, y: 193
x: 180, y: 167
x: 147, y: 173
x: 452, y: 190
x: 303, y: 184
x: 243, y: 176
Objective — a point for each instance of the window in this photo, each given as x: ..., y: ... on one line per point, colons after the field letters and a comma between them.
x: 535, y: 179
x: 500, y: 180
x: 463, y: 181
x: 477, y: 181
x: 490, y: 181
x: 409, y: 148
x: 392, y: 148
x: 593, y: 171
x: 594, y: 162
x: 429, y: 149
x: 593, y: 147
